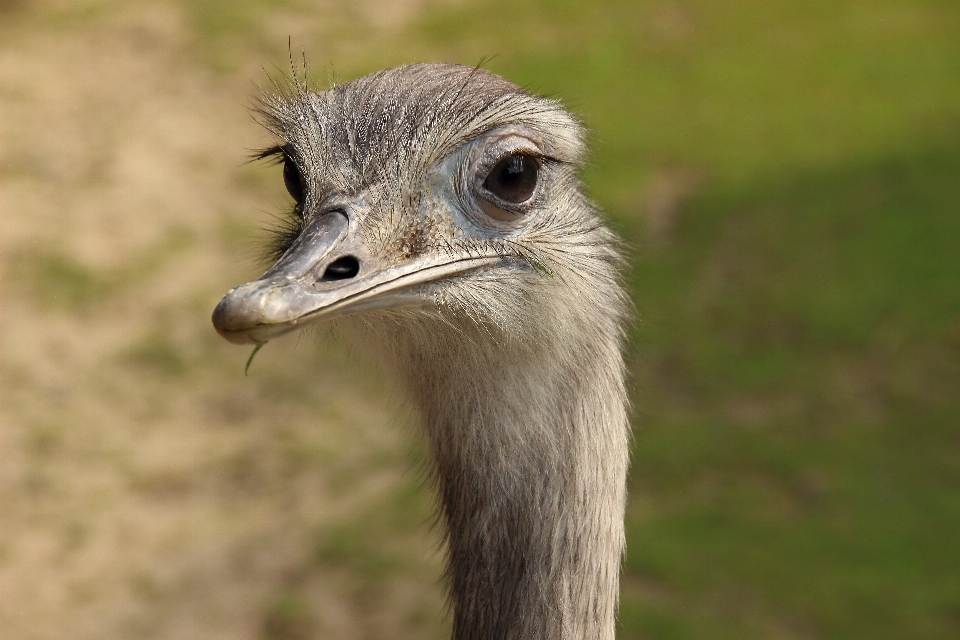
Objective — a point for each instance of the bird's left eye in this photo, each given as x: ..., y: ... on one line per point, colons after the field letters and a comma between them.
x: 292, y: 180
x: 514, y: 178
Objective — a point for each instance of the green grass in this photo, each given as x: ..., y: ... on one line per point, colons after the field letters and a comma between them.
x: 798, y: 435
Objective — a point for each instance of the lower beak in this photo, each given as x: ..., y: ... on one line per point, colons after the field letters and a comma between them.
x: 327, y: 273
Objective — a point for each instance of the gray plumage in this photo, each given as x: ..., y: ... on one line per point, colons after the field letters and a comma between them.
x: 503, y: 319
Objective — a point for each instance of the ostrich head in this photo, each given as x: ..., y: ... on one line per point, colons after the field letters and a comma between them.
x: 440, y: 219
x: 440, y: 189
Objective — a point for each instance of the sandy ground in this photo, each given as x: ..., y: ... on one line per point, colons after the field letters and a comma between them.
x: 147, y: 488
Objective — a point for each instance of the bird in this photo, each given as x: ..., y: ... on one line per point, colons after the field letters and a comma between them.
x: 440, y: 223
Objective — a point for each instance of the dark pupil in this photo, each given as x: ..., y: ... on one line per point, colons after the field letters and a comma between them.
x: 291, y: 178
x: 513, y: 179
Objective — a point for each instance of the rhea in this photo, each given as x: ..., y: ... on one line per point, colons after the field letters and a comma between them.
x: 440, y: 222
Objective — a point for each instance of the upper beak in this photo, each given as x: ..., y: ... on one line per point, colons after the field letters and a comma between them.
x: 327, y: 272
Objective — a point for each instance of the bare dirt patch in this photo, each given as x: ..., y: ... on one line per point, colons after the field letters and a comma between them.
x: 148, y: 489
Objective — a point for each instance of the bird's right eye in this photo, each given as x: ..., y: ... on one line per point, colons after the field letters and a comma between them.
x: 292, y: 180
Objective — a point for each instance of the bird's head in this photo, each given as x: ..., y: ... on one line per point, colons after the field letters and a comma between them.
x: 437, y: 189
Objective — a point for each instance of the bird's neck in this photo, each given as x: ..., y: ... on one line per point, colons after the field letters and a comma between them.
x: 530, y: 447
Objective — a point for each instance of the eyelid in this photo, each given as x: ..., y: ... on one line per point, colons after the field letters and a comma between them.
x: 489, y: 161
x: 504, y: 147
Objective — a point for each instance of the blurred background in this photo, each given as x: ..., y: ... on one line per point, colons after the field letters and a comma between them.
x: 787, y: 175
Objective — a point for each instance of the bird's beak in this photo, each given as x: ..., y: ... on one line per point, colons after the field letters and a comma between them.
x: 328, y: 272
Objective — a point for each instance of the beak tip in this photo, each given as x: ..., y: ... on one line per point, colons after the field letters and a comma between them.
x: 232, y: 319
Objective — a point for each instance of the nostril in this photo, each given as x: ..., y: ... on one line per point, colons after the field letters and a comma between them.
x: 341, y: 269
